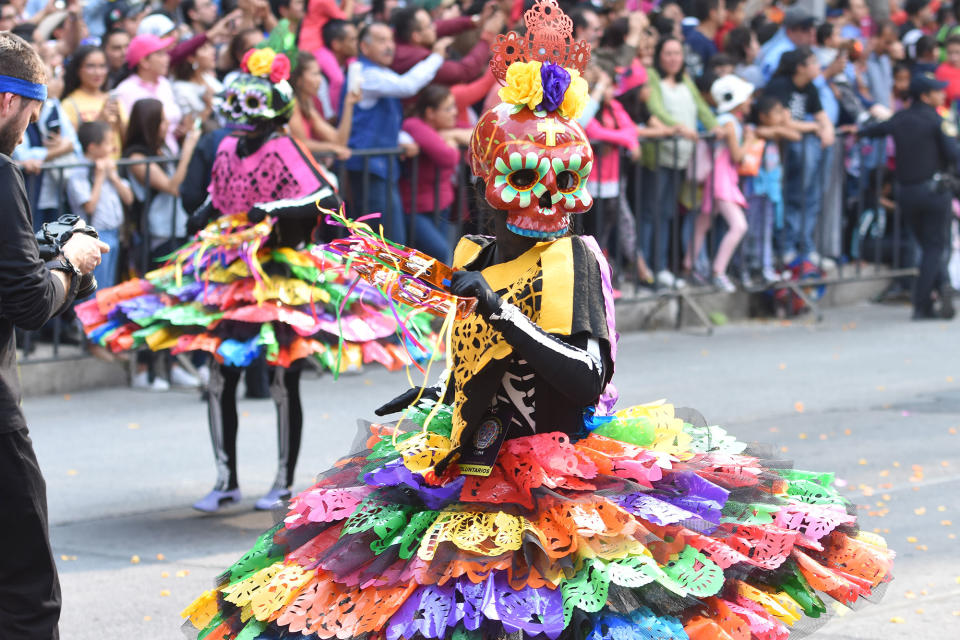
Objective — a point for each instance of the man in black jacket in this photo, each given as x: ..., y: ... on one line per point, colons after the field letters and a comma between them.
x: 926, y: 152
x: 31, y: 292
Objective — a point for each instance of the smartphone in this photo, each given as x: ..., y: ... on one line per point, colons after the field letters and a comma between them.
x: 354, y: 76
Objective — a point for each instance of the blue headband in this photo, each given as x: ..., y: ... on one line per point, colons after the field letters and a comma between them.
x: 32, y: 90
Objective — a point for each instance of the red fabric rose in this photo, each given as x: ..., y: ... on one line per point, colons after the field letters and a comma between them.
x: 280, y: 69
x: 243, y: 63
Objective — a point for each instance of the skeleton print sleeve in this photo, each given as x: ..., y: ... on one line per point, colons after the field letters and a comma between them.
x: 577, y: 372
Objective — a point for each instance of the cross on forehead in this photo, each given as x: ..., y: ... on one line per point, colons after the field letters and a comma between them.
x: 550, y: 127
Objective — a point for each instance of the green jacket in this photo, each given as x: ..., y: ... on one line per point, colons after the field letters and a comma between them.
x: 655, y: 105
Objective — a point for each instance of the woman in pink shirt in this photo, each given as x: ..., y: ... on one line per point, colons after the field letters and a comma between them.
x: 149, y: 58
x: 434, y: 128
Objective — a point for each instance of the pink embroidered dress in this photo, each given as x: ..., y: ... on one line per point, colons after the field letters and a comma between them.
x: 239, y: 290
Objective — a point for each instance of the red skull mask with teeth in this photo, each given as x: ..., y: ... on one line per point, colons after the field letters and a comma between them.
x: 535, y: 166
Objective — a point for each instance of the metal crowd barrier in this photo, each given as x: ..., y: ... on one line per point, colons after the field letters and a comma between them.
x: 869, y: 235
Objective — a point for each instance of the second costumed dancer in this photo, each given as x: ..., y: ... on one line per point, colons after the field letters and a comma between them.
x: 248, y: 284
x: 518, y: 502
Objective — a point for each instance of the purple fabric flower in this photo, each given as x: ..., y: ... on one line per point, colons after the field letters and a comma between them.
x: 555, y: 80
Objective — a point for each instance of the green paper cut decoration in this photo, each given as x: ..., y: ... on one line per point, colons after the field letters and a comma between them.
x: 699, y: 575
x: 215, y: 622
x: 385, y: 519
x: 797, y: 587
x: 263, y: 554
x: 638, y: 431
x: 752, y: 513
x: 253, y: 629
x: 587, y: 590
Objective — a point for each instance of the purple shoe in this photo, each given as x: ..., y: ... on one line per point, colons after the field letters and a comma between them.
x: 274, y: 498
x: 212, y: 502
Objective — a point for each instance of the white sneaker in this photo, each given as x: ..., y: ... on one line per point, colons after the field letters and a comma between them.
x: 788, y: 258
x: 666, y: 279
x: 141, y: 380
x: 769, y: 275
x: 180, y: 377
x: 821, y: 262
x: 722, y: 282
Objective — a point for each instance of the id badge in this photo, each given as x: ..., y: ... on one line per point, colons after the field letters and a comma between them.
x: 479, y: 453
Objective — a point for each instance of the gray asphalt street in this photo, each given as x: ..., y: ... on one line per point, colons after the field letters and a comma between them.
x: 866, y: 393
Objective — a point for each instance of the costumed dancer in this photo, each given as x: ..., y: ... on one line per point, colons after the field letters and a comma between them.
x: 524, y: 506
x: 241, y: 288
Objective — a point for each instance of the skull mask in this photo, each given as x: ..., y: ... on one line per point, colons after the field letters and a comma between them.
x: 251, y: 101
x: 535, y: 166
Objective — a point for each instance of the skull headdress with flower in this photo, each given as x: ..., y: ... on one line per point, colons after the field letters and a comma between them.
x: 530, y: 151
x: 262, y: 94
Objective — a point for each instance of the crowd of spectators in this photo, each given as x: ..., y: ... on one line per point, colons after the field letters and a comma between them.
x: 716, y: 123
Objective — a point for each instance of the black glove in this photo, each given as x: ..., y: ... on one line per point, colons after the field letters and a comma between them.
x: 200, y: 218
x: 256, y: 214
x: 406, y: 398
x: 472, y: 284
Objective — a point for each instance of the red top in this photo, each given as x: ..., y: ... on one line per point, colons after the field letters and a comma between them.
x: 436, y: 163
x: 451, y: 71
x: 950, y: 75
x: 318, y: 12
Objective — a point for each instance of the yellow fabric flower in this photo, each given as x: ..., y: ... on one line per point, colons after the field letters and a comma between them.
x: 523, y: 84
x: 575, y: 99
x: 260, y: 61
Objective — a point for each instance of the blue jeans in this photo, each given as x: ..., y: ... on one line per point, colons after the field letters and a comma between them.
x: 381, y: 196
x: 802, y: 196
x: 106, y: 271
x: 433, y: 238
x: 660, y: 188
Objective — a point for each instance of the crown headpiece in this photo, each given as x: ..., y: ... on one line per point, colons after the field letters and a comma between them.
x: 549, y: 38
x: 541, y: 69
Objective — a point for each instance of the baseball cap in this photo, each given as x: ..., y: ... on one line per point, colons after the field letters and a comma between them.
x: 143, y: 45
x: 122, y: 9
x: 923, y: 83
x: 798, y: 18
x: 729, y: 92
x: 156, y: 24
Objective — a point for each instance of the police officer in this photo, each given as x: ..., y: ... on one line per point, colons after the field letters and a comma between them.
x: 926, y: 150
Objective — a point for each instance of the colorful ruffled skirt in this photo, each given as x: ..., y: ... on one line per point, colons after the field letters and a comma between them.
x: 643, y: 526
x: 227, y: 294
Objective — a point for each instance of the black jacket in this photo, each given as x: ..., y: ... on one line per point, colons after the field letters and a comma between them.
x: 29, y: 294
x: 923, y: 148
